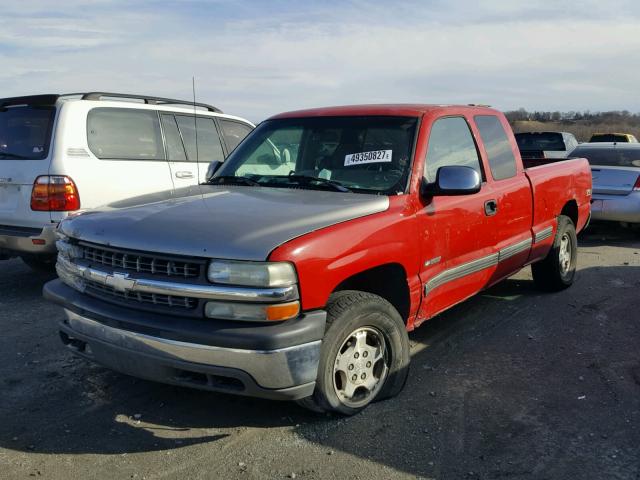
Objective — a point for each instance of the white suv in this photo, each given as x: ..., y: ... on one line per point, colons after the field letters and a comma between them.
x: 62, y: 153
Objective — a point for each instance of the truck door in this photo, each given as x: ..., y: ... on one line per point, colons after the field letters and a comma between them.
x: 512, y: 218
x: 457, y: 239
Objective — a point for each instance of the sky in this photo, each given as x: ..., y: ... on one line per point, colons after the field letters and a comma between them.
x: 258, y: 58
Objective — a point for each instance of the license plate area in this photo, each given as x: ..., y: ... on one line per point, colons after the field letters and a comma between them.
x: 9, y: 197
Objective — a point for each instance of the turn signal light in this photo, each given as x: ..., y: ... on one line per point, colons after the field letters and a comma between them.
x: 636, y: 187
x: 282, y: 311
x: 54, y: 193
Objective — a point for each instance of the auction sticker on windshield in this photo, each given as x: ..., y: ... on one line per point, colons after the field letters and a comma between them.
x: 376, y: 156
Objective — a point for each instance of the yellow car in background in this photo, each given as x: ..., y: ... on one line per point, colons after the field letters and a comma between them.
x: 613, y: 137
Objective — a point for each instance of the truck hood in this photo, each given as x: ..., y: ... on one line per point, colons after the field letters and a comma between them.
x: 231, y: 222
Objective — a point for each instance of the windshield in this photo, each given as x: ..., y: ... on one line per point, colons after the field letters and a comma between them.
x: 362, y: 154
x: 613, y: 157
x: 540, y: 141
x: 25, y: 132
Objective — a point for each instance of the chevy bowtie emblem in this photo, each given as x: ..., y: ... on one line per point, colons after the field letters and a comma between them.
x: 120, y: 282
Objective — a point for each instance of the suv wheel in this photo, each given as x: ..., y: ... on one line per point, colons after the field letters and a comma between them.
x: 41, y: 263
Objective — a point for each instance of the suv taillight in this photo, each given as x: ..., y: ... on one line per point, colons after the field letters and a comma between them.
x: 636, y: 187
x: 54, y: 193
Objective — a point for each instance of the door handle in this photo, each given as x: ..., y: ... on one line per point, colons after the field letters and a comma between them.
x: 184, y: 174
x: 490, y: 208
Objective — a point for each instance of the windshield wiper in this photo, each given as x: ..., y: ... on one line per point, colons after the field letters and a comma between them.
x: 13, y: 155
x: 232, y: 179
x: 308, y: 180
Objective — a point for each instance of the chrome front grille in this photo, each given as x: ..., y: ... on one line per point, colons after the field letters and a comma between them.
x: 170, y: 301
x: 140, y: 262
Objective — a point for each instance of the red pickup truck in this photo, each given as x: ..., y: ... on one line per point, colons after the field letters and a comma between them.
x: 297, y: 270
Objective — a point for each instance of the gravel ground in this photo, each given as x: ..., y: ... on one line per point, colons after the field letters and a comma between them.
x: 511, y: 384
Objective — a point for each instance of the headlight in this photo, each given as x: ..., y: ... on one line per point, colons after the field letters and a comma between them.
x: 252, y: 274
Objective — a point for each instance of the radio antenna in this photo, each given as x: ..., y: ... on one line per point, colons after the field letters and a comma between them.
x: 195, y: 126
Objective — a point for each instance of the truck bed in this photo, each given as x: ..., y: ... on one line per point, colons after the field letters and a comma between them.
x: 553, y: 182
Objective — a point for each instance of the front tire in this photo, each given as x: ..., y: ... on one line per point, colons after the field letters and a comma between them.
x: 364, y: 357
x: 557, y: 270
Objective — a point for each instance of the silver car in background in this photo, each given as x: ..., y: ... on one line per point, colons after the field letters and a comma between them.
x: 615, y: 168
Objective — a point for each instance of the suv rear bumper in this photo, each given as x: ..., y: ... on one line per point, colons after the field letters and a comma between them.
x: 20, y: 240
x: 278, y: 361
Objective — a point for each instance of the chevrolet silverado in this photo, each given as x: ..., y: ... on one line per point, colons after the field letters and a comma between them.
x: 297, y: 270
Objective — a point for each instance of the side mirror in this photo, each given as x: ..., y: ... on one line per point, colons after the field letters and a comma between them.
x: 453, y: 180
x: 213, y: 168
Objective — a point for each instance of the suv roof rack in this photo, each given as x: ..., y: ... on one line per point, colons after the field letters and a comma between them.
x: 146, y: 99
x: 51, y: 99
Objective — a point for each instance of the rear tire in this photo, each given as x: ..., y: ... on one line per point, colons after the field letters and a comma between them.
x: 41, y: 263
x: 557, y: 270
x: 364, y: 356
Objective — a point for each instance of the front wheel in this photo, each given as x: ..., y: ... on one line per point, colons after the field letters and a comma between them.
x: 557, y: 270
x: 364, y: 357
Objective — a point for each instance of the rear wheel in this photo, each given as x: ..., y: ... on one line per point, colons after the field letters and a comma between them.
x: 558, y: 269
x: 364, y: 357
x: 41, y: 263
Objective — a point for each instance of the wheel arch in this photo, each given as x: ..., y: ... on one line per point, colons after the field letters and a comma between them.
x: 388, y: 281
x: 570, y: 209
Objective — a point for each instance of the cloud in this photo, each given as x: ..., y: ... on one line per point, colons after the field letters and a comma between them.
x: 258, y: 58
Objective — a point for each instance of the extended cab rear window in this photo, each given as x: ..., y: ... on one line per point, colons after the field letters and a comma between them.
x: 25, y: 132
x: 496, y: 143
x: 613, y: 156
x: 124, y: 134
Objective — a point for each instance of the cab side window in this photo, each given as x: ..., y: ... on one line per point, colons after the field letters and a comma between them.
x: 450, y: 143
x: 499, y: 152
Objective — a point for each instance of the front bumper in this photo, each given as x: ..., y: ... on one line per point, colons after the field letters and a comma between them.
x: 278, y: 361
x: 20, y: 240
x: 618, y: 208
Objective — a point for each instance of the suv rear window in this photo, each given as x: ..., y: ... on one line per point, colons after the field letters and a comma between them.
x: 124, y: 134
x: 540, y: 141
x: 25, y: 132
x: 612, y: 157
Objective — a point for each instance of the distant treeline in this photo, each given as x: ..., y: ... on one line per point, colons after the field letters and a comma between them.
x: 581, y: 124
